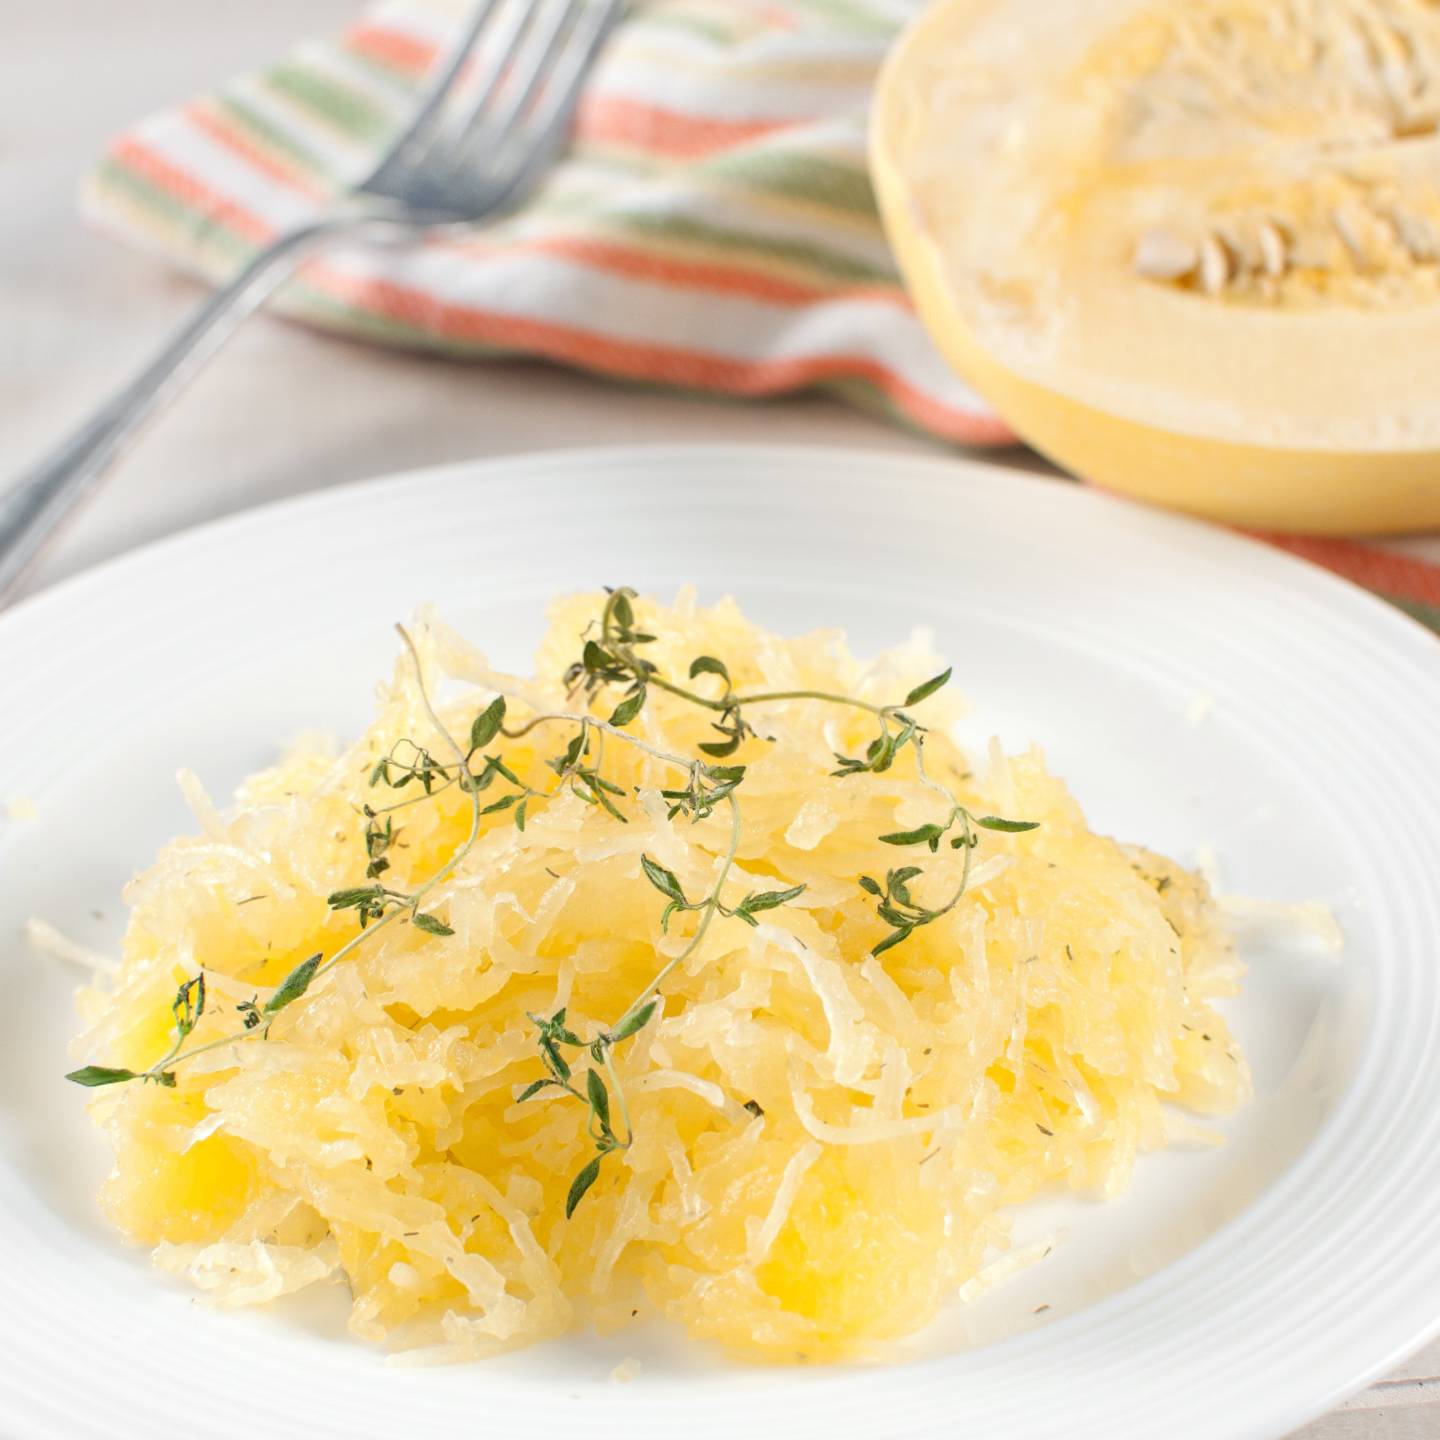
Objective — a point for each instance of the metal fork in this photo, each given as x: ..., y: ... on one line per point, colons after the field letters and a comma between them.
x: 469, y: 150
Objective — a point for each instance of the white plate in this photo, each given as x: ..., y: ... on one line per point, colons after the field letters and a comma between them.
x: 1231, y: 1294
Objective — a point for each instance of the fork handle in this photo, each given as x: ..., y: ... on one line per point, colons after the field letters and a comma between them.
x: 36, y: 504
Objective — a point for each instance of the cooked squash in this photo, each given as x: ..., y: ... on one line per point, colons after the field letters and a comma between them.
x: 823, y: 1132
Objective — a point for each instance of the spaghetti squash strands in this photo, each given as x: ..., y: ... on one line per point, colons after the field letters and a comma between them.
x: 801, y: 1147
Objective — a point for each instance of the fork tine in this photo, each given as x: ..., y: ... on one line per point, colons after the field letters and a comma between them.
x: 494, y: 123
x: 534, y: 57
x: 518, y: 141
x: 446, y: 73
x: 551, y: 121
x: 500, y: 76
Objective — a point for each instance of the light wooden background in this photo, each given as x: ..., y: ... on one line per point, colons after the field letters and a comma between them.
x: 284, y: 411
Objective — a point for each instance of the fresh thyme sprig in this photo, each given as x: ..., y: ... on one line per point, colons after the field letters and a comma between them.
x: 706, y: 786
x: 896, y: 906
x: 375, y: 902
x: 613, y: 660
x: 577, y: 768
x: 553, y: 1033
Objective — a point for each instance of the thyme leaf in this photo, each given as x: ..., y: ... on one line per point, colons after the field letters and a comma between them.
x: 486, y: 725
x: 580, y: 1184
x: 923, y: 692
x: 93, y: 1075
x: 663, y: 880
x: 294, y: 985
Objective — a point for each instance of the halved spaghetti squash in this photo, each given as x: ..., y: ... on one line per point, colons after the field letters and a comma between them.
x: 1190, y: 249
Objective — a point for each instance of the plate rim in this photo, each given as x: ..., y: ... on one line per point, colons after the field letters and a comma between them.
x: 978, y: 467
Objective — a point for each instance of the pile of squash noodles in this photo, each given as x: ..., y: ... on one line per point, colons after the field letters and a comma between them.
x: 825, y: 1143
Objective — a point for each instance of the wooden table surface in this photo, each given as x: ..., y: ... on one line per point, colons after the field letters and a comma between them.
x: 79, y: 312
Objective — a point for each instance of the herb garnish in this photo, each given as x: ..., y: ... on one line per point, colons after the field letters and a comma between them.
x: 704, y: 786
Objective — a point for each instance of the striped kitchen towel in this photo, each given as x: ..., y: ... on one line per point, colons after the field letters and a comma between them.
x: 711, y: 228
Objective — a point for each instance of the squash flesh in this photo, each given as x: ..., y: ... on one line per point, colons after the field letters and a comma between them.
x: 1024, y: 163
x: 1033, y: 1040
